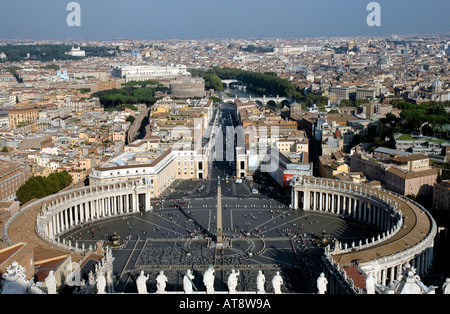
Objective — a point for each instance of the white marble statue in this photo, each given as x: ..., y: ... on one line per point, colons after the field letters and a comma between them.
x: 91, y: 279
x: 277, y: 281
x: 446, y: 286
x: 141, y: 283
x: 161, y: 281
x: 14, y: 280
x: 260, y: 281
x: 187, y: 282
x: 208, y: 280
x: 50, y: 283
x: 101, y: 283
x: 233, y: 281
x: 370, y: 284
x: 322, y: 284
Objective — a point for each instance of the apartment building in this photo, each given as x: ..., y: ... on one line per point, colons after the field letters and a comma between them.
x: 412, y: 162
x: 22, y: 115
x: 342, y: 92
x: 12, y: 176
x: 417, y: 183
x: 38, y: 142
x: 332, y: 165
x: 407, y: 175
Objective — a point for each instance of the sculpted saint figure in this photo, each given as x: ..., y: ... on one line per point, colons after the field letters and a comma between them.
x: 141, y: 283
x: 370, y: 284
x: 161, y: 281
x: 50, y: 283
x: 260, y: 280
x: 322, y: 283
x: 187, y: 282
x: 277, y: 281
x: 233, y: 281
x: 208, y: 280
x: 101, y: 284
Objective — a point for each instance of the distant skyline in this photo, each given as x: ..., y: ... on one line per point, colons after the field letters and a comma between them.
x: 202, y: 19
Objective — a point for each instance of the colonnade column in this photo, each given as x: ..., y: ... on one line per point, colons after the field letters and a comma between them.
x: 294, y: 198
x: 332, y: 202
x: 148, y: 203
x: 306, y: 199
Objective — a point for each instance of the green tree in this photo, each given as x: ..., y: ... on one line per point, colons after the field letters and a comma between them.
x: 345, y: 103
x: 39, y: 187
x: 213, y: 81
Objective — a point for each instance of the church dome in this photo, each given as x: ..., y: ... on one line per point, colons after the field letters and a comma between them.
x: 382, y: 60
x: 436, y: 85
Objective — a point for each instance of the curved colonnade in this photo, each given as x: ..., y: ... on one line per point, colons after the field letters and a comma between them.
x: 67, y: 210
x: 406, y: 230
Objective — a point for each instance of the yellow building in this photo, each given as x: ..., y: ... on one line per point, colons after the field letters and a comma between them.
x: 332, y: 165
x: 22, y: 115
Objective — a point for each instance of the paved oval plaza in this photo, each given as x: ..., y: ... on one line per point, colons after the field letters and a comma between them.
x: 260, y: 233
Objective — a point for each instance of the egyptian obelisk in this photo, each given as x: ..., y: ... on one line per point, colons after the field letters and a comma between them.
x: 219, y: 241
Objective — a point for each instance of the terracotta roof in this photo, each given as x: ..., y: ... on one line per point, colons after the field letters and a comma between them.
x: 412, y: 174
x: 410, y: 157
x: 358, y: 279
x: 9, y: 251
x: 46, y: 267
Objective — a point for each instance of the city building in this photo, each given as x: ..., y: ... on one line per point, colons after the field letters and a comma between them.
x: 12, y: 176
x: 441, y: 195
x: 416, y: 183
x: 77, y: 52
x: 333, y: 164
x: 8, y: 208
x: 19, y: 116
x: 159, y: 167
x: 149, y: 72
x: 37, y: 141
x: 340, y: 93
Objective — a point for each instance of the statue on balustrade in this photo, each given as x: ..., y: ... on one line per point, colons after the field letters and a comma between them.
x: 101, y: 283
x: 141, y: 283
x: 260, y: 280
x: 233, y: 281
x: 277, y: 281
x: 161, y: 282
x: 50, y: 283
x: 208, y: 280
x: 322, y: 283
x: 187, y: 282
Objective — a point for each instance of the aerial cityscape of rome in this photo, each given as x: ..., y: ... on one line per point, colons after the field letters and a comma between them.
x: 194, y: 149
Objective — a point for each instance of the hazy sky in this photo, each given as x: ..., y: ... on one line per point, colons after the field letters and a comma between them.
x: 184, y: 19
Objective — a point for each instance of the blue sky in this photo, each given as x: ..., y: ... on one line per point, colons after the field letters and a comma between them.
x: 185, y: 19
